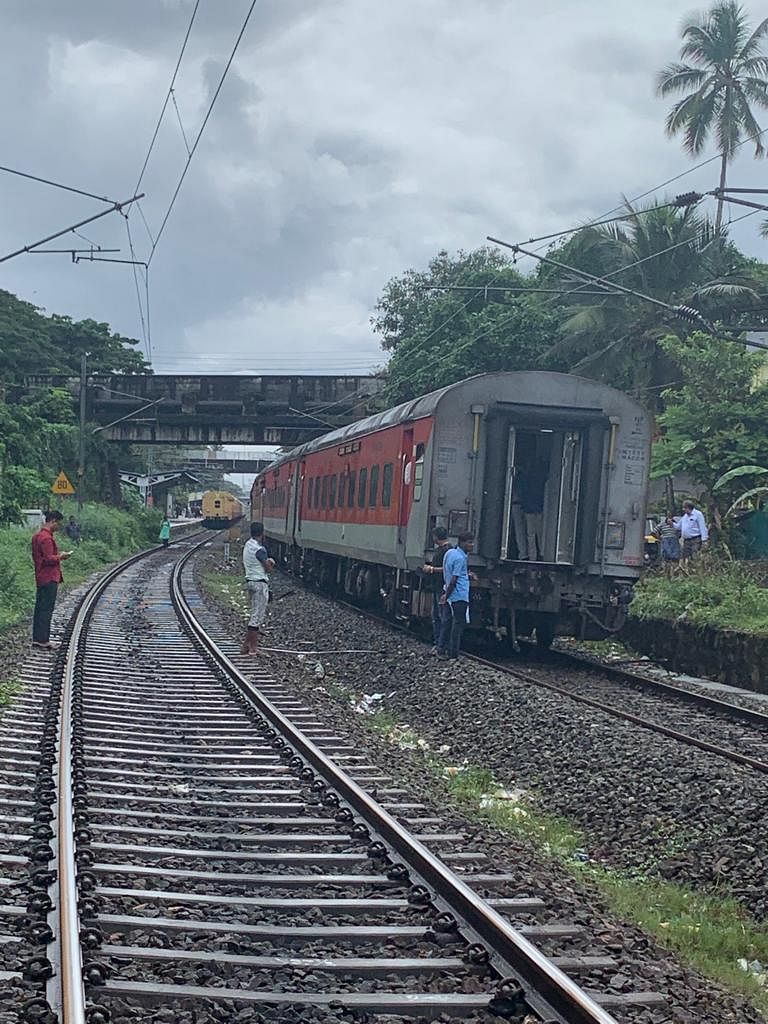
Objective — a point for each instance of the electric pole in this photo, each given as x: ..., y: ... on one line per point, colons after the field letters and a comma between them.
x: 81, y: 457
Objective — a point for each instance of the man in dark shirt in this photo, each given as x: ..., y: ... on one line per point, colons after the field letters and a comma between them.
x: 533, y: 484
x: 441, y: 617
x: 47, y: 560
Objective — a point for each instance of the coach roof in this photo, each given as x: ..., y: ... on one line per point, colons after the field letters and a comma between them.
x: 416, y: 409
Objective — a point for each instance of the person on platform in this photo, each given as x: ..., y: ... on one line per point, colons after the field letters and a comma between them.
x: 456, y: 576
x: 693, y: 530
x: 441, y: 618
x: 165, y: 532
x: 47, y: 561
x: 257, y: 565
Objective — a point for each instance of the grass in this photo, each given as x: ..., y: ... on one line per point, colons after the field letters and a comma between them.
x: 225, y: 588
x: 109, y: 534
x: 726, y: 595
x: 711, y: 932
x: 8, y: 689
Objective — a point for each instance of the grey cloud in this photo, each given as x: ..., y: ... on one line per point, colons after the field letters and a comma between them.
x: 352, y: 139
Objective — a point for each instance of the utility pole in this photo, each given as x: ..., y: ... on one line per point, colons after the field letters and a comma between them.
x: 81, y: 457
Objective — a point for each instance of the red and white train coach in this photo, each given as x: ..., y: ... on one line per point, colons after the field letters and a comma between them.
x: 354, y: 509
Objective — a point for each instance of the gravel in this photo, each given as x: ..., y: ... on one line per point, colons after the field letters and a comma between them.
x: 644, y: 801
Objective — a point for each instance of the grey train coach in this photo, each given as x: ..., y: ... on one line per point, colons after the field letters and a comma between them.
x: 548, y: 470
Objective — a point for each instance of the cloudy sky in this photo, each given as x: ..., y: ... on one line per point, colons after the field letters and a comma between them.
x: 352, y: 140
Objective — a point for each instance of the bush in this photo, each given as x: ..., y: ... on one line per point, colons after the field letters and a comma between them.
x: 108, y: 535
x: 708, y: 592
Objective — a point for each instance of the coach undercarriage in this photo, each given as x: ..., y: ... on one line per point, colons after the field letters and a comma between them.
x: 521, y: 600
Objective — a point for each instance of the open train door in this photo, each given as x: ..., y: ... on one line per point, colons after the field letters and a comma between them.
x: 570, y: 485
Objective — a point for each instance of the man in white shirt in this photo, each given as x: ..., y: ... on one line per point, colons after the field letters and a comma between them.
x: 693, y: 530
x: 257, y: 565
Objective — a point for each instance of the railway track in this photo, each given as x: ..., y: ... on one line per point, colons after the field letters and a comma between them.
x: 689, y: 716
x: 183, y: 840
x: 723, y: 728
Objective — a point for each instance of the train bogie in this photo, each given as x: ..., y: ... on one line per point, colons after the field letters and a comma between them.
x: 549, y: 471
x: 220, y: 510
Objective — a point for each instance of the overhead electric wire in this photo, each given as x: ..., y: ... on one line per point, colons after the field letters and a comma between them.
x: 178, y: 118
x: 138, y: 291
x: 423, y: 340
x: 58, y: 184
x: 167, y: 95
x: 146, y: 225
x: 114, y: 208
x: 199, y: 135
x: 648, y: 192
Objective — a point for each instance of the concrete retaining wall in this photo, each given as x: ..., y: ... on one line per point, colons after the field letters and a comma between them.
x: 727, y: 656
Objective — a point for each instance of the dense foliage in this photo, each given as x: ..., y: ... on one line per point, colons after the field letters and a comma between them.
x: 476, y: 312
x: 490, y: 318
x: 722, y: 594
x: 38, y: 432
x: 108, y: 534
x: 32, y: 343
x: 716, y: 418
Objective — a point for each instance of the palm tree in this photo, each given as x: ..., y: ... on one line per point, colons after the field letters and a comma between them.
x: 658, y: 251
x: 727, y: 76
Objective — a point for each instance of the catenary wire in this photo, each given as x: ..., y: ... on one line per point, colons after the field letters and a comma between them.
x: 178, y: 118
x: 136, y: 283
x: 650, y: 191
x: 57, y: 184
x: 167, y: 95
x: 199, y: 135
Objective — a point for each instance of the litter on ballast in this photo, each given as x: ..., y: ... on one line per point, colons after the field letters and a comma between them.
x: 365, y: 704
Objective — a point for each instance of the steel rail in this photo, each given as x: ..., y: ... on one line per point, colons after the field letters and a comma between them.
x: 627, y: 716
x: 668, y: 689
x: 546, y: 988
x: 66, y: 989
x: 681, y: 694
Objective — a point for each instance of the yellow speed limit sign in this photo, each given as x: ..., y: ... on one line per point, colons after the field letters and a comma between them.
x: 61, y: 485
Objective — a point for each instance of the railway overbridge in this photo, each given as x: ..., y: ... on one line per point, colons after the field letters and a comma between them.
x: 215, y: 409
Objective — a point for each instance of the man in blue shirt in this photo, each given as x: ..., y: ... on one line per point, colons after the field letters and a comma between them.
x: 456, y: 592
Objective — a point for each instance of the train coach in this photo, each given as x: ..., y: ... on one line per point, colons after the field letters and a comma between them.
x: 548, y: 470
x: 220, y: 510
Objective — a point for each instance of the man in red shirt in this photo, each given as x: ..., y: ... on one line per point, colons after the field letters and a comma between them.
x: 47, y: 559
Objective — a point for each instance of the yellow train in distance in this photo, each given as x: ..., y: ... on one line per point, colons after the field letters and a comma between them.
x: 220, y: 510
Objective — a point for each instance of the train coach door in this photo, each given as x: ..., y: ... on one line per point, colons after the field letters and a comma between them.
x: 570, y: 485
x: 406, y: 483
x: 508, y: 539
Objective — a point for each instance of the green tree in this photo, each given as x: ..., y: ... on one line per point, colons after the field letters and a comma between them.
x: 439, y: 336
x: 31, y: 343
x: 725, y: 76
x: 717, y: 418
x: 662, y: 252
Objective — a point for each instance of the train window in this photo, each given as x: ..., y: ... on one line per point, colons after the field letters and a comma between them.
x: 351, y: 489
x: 386, y: 486
x: 309, y: 493
x: 324, y: 493
x: 332, y: 492
x: 317, y: 492
x: 362, y: 486
x: 217, y: 504
x: 373, y: 497
x: 342, y: 489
